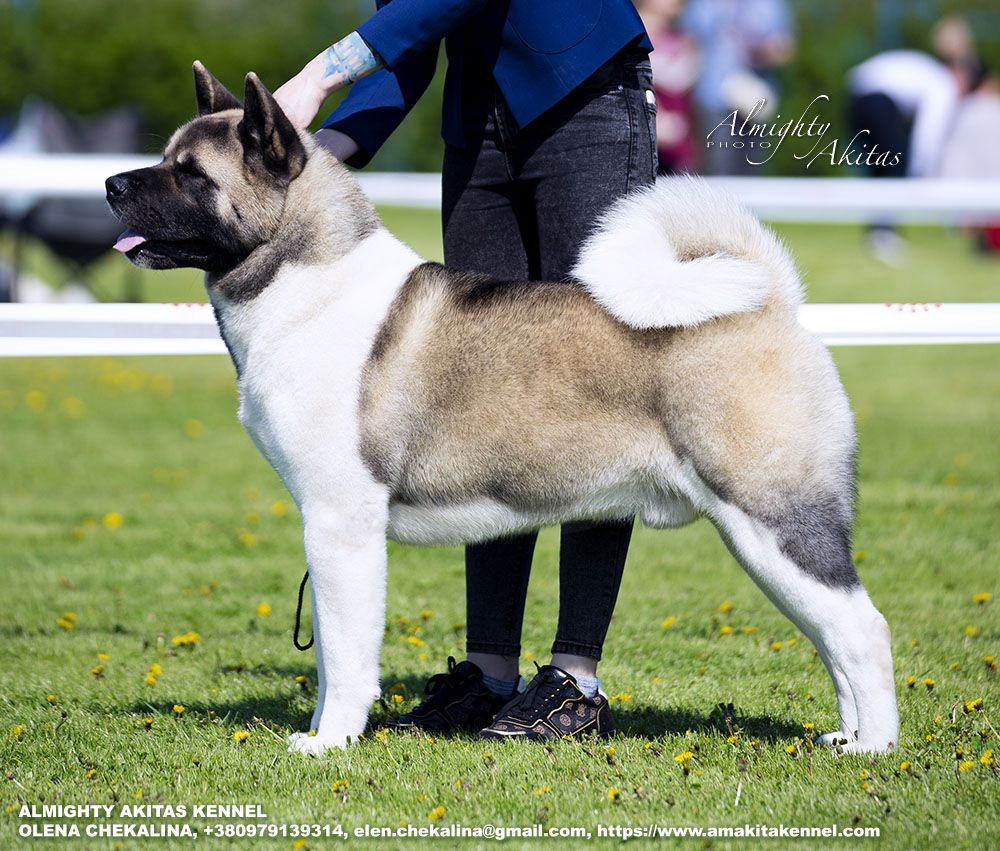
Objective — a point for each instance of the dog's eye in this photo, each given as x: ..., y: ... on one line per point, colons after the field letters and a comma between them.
x: 189, y: 168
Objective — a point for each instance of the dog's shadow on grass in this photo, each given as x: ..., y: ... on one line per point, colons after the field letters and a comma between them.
x: 647, y: 722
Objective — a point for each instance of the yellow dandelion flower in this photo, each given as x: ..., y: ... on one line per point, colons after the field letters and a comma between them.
x: 622, y: 697
x: 437, y: 814
x: 541, y: 790
x: 62, y: 623
x: 150, y: 679
x: 987, y: 758
x: 610, y: 750
x: 684, y: 758
x: 791, y: 750
x: 92, y: 774
x: 147, y: 723
x: 965, y: 765
x: 614, y: 794
x: 113, y: 520
x: 187, y: 639
x: 103, y: 657
x: 302, y: 680
x: 36, y: 401
x: 982, y: 598
x: 748, y: 630
x: 423, y: 657
x: 138, y: 793
x: 808, y: 725
x: 931, y: 737
x: 247, y: 538
x: 990, y: 662
x: 725, y: 607
x: 859, y: 556
x: 263, y: 610
x: 252, y: 518
x: 179, y: 709
x: 702, y: 669
x: 937, y: 719
x: 971, y: 631
x: 156, y: 669
x: 397, y: 699
x: 279, y: 508
x: 792, y: 642
x: 416, y: 642
x: 955, y: 666
x: 905, y: 765
x: 194, y: 428
x: 339, y: 785
x: 382, y: 736
x: 777, y: 645
x: 240, y: 736
x: 733, y: 740
x: 929, y: 683
x: 196, y: 760
x: 19, y: 730
x: 427, y: 614
x: 725, y: 629
x: 70, y: 616
x: 668, y: 622
x: 97, y: 671
x: 52, y: 699
x: 974, y: 705
x: 911, y: 681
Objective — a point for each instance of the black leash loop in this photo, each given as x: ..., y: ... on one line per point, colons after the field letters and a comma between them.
x: 298, y: 618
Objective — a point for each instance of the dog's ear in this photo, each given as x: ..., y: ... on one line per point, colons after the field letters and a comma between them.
x: 270, y: 142
x: 209, y: 93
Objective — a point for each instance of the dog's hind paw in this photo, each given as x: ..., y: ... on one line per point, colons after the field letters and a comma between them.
x: 315, y: 744
x: 849, y: 744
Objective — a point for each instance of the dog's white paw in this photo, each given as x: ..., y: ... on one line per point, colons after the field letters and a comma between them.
x: 834, y: 739
x: 315, y: 745
x: 848, y: 744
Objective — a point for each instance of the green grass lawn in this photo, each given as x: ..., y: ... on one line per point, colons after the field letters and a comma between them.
x: 135, y: 509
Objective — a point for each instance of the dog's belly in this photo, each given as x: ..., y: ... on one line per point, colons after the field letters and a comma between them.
x: 484, y: 519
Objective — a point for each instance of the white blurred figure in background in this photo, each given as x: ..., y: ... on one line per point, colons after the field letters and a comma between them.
x: 906, y: 102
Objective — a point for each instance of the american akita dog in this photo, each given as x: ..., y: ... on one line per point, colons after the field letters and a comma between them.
x: 398, y: 398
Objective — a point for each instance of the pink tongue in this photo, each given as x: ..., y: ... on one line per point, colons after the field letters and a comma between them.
x: 129, y: 240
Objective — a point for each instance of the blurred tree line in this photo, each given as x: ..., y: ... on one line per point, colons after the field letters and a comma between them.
x: 87, y: 56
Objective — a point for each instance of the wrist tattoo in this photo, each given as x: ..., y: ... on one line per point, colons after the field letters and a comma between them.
x: 350, y: 58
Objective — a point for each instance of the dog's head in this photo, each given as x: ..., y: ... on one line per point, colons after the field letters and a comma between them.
x: 220, y: 190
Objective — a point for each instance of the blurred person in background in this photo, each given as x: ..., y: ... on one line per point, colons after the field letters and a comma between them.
x: 972, y: 151
x: 549, y: 116
x: 675, y: 62
x: 906, y: 101
x: 744, y: 44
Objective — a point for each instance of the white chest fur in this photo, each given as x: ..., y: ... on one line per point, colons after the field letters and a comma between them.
x: 301, y: 347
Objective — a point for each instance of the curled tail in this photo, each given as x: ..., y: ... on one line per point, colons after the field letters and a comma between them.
x: 680, y: 253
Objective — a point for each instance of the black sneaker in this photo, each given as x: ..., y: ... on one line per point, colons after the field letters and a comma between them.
x: 457, y: 701
x: 551, y: 707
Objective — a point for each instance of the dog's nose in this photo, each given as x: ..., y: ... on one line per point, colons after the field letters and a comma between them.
x: 116, y: 185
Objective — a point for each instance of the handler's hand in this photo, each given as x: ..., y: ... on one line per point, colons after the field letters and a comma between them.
x: 302, y: 96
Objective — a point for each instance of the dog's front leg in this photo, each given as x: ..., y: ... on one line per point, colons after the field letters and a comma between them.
x: 346, y: 551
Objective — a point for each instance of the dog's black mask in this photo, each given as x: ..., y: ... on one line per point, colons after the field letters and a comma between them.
x: 219, y: 189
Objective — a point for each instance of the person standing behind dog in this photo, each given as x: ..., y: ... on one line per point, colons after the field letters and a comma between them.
x: 549, y: 116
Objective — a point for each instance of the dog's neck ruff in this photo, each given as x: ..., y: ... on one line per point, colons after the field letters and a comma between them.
x: 352, y: 295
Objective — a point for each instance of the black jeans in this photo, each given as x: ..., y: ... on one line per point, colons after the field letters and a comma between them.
x: 517, y: 204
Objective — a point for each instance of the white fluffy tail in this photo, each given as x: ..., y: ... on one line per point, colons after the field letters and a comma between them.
x: 680, y: 253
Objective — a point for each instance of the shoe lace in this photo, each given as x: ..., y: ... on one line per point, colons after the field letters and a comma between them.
x: 440, y: 685
x: 534, y: 698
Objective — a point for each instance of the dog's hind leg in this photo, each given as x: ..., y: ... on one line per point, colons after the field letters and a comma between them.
x: 802, y: 562
x: 346, y: 551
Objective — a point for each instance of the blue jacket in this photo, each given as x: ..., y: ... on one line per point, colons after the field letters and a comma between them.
x: 536, y: 52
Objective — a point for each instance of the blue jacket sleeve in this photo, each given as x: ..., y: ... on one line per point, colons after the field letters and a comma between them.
x: 405, y: 34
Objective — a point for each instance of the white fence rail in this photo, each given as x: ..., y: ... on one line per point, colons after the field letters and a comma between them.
x: 796, y: 199
x: 174, y: 329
